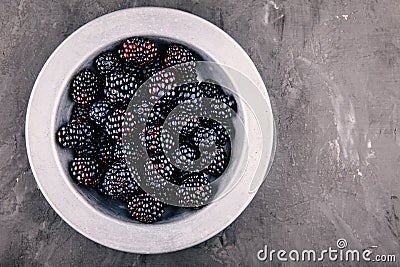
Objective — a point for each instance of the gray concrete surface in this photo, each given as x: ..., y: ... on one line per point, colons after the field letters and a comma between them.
x: 332, y: 70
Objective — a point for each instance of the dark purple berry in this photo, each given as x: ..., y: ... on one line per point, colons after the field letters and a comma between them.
x: 195, y: 191
x: 138, y: 51
x: 85, y: 170
x: 120, y: 87
x: 145, y: 208
x: 113, y: 124
x: 80, y: 113
x: 99, y: 111
x: 178, y: 54
x: 218, y: 161
x: 107, y: 62
x: 119, y: 182
x: 85, y: 87
x: 74, y: 134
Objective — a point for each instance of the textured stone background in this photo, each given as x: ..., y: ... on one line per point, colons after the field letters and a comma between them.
x: 332, y: 70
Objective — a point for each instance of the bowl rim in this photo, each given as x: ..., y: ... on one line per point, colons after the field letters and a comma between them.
x: 40, y: 137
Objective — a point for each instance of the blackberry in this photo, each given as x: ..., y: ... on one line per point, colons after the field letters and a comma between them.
x: 178, y: 54
x: 145, y: 208
x: 189, y: 152
x: 156, y: 116
x: 160, y: 83
x: 85, y: 87
x: 74, y: 134
x: 211, y: 90
x: 154, y: 181
x: 161, y: 109
x: 107, y: 62
x: 151, y: 69
x: 120, y: 87
x: 183, y: 121
x: 91, y: 148
x: 106, y: 152
x: 119, y: 182
x: 135, y: 71
x: 220, y: 131
x: 138, y: 51
x: 101, y: 136
x: 184, y: 158
x: 128, y: 151
x: 207, y: 132
x: 113, y: 124
x: 80, y: 113
x: 224, y: 107
x: 157, y: 140
x: 219, y: 162
x: 195, y: 191
x: 139, y: 113
x: 99, y: 111
x: 85, y: 170
x: 164, y: 167
x: 189, y: 98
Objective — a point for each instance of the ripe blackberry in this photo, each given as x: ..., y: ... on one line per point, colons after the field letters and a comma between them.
x: 99, y: 111
x: 120, y: 87
x: 184, y: 157
x: 119, y: 182
x: 80, y: 113
x: 164, y: 167
x: 160, y: 84
x: 145, y: 208
x: 74, y: 134
x: 128, y: 151
x: 91, y: 148
x: 162, y: 108
x: 195, y: 191
x: 189, y: 98
x: 182, y: 121
x: 178, y: 54
x: 211, y: 90
x: 189, y: 152
x: 157, y: 140
x: 156, y: 116
x: 139, y: 113
x: 183, y: 61
x: 101, y: 136
x: 106, y: 152
x: 138, y: 51
x: 107, y: 62
x: 113, y: 124
x: 218, y: 162
x: 152, y: 68
x: 85, y: 170
x: 85, y: 87
x: 209, y: 130
x: 155, y: 182
x: 134, y: 71
x: 224, y: 107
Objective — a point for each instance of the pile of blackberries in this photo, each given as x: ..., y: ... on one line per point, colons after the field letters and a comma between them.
x: 99, y: 119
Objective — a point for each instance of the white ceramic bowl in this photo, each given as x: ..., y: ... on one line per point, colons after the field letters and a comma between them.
x: 49, y: 107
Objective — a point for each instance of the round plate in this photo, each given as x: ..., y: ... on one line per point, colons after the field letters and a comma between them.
x: 50, y: 91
